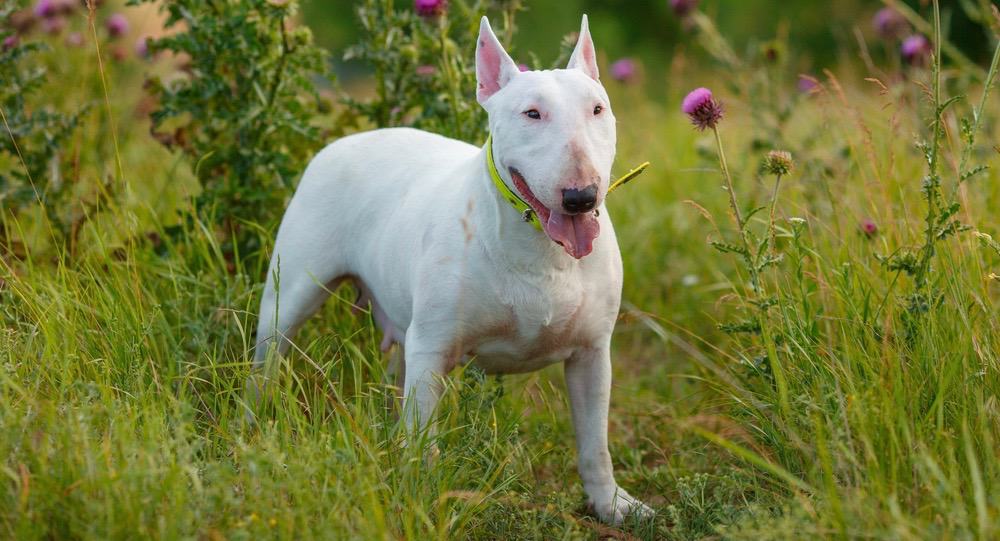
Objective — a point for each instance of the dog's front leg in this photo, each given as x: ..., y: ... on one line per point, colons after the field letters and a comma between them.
x: 588, y: 380
x: 426, y: 362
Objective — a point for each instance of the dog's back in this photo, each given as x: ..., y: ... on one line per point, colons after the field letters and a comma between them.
x: 355, y: 199
x: 375, y: 167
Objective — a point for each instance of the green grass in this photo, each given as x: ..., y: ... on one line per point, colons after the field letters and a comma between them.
x: 121, y: 368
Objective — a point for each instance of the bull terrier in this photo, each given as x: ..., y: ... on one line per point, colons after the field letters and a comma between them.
x: 502, y: 255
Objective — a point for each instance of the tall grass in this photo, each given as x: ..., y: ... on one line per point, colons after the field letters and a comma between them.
x: 121, y: 367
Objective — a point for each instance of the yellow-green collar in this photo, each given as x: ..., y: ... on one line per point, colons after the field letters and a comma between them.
x: 523, y: 208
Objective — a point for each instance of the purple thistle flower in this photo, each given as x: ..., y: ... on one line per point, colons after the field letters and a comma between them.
x: 682, y: 8
x: 869, y: 228
x: 10, y: 42
x: 623, y: 70
x: 703, y: 110
x: 523, y: 67
x: 425, y: 70
x: 46, y: 8
x: 142, y: 47
x: 916, y: 50
x: 430, y: 8
x: 117, y: 25
x: 889, y: 24
x: 807, y: 84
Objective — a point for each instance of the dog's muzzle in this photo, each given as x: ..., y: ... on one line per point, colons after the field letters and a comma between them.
x: 575, y: 201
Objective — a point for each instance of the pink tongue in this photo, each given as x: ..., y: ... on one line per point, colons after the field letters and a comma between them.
x: 576, y: 233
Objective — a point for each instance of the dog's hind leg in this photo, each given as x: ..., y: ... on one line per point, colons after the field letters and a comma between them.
x: 289, y: 298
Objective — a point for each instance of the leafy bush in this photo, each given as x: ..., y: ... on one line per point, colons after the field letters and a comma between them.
x: 423, y: 65
x: 243, y: 112
x: 32, y: 136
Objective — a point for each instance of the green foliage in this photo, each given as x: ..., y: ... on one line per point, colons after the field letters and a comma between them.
x: 31, y: 148
x: 244, y: 110
x: 122, y: 376
x: 704, y: 505
x: 941, y: 208
x: 424, y: 67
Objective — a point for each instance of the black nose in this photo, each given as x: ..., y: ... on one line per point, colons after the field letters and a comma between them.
x: 575, y: 200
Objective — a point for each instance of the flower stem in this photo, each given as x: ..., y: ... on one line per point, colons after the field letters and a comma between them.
x: 936, y: 139
x: 977, y: 117
x: 770, y: 223
x: 932, y: 189
x: 733, y: 205
x: 757, y: 287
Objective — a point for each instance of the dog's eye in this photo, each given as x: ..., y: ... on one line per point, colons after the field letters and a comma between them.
x: 598, y: 110
x: 533, y: 114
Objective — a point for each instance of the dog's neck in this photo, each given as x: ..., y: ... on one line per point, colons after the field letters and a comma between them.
x: 504, y: 233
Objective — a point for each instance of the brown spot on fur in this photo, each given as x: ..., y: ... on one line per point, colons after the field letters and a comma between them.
x: 504, y: 327
x: 581, y: 171
x: 549, y: 341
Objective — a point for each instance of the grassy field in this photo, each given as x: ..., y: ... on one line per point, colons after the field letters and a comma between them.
x: 122, y: 366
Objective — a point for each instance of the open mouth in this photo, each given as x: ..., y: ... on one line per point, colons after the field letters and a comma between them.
x: 574, y: 232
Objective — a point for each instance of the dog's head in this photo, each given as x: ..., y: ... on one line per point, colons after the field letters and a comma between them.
x: 553, y: 136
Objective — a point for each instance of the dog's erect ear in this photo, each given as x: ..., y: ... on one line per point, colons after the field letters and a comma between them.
x: 494, y: 67
x: 584, y: 55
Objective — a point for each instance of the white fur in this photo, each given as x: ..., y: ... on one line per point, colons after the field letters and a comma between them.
x: 450, y: 268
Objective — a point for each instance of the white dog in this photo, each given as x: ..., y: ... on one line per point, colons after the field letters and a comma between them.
x: 455, y: 265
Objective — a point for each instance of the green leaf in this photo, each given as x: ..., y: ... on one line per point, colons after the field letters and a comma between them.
x: 729, y: 248
x: 973, y: 172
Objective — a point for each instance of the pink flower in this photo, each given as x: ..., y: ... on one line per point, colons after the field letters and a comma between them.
x: 426, y: 70
x: 703, y: 110
x: 916, y: 50
x: 430, y: 8
x: 807, y: 85
x: 623, y: 70
x: 889, y: 24
x: 869, y: 228
x: 117, y: 25
x: 142, y: 47
x: 523, y: 67
x: 682, y: 8
x: 10, y: 42
x: 46, y: 8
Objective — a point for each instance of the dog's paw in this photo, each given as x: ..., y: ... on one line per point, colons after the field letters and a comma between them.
x: 619, y: 506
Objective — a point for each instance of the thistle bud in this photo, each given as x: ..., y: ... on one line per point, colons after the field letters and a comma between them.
x: 778, y: 162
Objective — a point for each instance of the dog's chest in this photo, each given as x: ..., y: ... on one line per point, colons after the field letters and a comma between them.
x: 534, y: 323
